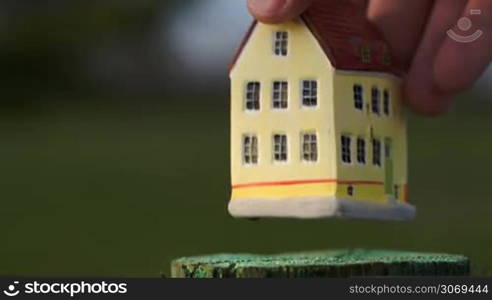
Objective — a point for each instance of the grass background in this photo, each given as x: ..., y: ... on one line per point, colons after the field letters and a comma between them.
x: 121, y: 190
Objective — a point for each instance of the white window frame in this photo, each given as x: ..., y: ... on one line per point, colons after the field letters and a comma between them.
x: 252, y: 96
x: 250, y: 149
x: 376, y: 100
x: 280, y: 95
x: 309, y: 93
x: 281, y: 43
x: 358, y: 90
x: 309, y: 147
x: 361, y: 150
x: 386, y: 102
x: 346, y: 149
x: 377, y: 152
x: 280, y: 148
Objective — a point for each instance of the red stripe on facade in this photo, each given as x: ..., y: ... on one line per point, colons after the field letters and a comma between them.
x: 366, y: 182
x: 296, y: 182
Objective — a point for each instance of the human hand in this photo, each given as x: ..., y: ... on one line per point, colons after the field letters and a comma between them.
x: 438, y: 66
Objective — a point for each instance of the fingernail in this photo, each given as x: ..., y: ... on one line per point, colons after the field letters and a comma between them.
x: 267, y: 6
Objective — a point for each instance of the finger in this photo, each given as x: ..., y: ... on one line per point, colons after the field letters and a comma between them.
x: 361, y: 4
x: 460, y: 64
x: 402, y: 23
x: 276, y: 11
x: 421, y: 91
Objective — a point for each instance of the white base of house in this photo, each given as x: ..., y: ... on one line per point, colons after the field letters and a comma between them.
x: 318, y: 207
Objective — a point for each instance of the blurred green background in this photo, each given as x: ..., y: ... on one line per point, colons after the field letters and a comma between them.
x: 106, y: 175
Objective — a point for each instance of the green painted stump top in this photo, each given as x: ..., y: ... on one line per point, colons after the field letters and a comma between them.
x: 335, y: 264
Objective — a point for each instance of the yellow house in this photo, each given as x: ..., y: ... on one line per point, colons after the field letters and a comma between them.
x: 317, y: 123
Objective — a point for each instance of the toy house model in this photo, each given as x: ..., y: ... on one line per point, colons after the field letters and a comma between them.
x: 318, y: 128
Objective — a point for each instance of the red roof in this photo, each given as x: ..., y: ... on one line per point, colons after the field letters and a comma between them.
x: 343, y: 31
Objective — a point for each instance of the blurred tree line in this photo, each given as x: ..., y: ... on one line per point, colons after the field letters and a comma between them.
x: 58, y: 46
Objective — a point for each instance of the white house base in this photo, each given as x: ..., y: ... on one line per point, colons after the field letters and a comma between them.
x: 318, y: 207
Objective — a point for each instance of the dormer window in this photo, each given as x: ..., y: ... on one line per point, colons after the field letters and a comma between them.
x: 365, y: 53
x: 386, y: 56
x: 281, y: 43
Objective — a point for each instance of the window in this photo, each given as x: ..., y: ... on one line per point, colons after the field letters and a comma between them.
x: 281, y: 43
x: 386, y: 58
x: 250, y: 149
x: 386, y: 102
x: 280, y: 94
x: 376, y: 100
x: 309, y: 93
x: 365, y: 53
x: 309, y: 147
x: 280, y: 147
x: 361, y: 150
x: 253, y: 96
x: 358, y: 97
x: 376, y: 152
x: 346, y: 152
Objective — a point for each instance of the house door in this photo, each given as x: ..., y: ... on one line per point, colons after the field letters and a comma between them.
x: 388, y: 166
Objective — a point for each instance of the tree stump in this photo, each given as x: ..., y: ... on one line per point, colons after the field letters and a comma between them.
x: 334, y: 264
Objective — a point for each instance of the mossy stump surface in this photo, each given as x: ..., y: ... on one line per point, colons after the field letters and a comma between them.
x: 334, y: 264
